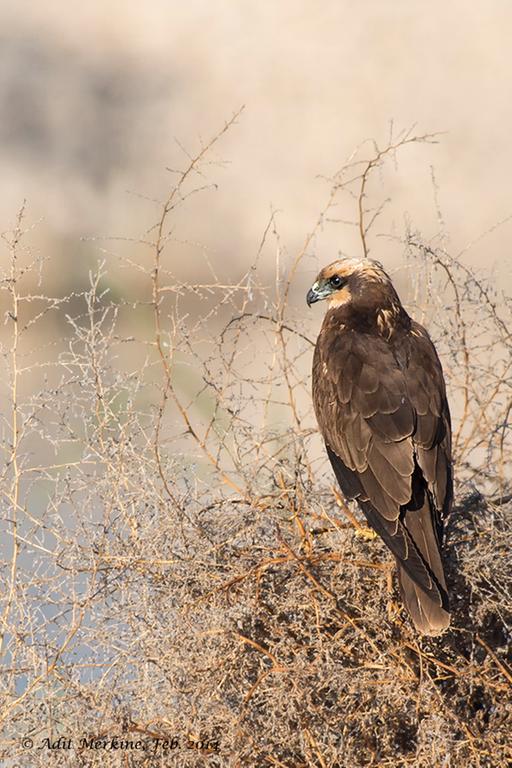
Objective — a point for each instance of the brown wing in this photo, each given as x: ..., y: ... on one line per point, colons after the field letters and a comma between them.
x: 432, y: 436
x: 382, y: 410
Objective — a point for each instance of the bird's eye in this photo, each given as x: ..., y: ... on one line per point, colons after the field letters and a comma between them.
x: 336, y: 281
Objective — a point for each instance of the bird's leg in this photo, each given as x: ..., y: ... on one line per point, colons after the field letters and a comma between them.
x: 362, y: 531
x: 393, y: 609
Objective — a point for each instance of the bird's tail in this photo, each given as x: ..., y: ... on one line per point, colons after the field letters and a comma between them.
x: 429, y: 611
x: 428, y: 616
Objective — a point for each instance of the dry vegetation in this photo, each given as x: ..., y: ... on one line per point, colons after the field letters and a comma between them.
x: 175, y: 564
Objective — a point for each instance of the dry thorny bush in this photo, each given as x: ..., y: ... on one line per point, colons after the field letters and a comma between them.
x: 175, y: 563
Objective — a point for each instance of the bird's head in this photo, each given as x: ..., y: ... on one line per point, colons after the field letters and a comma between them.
x: 348, y: 281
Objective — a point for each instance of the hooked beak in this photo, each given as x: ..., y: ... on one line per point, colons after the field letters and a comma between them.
x: 317, y: 293
x: 311, y: 297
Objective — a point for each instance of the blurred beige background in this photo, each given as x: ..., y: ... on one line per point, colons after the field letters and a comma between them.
x: 94, y: 95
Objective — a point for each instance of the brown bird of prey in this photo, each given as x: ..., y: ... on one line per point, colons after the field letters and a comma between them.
x: 380, y: 402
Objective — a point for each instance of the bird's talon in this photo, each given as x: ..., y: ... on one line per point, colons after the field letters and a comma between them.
x: 365, y: 533
x: 393, y: 611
